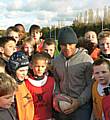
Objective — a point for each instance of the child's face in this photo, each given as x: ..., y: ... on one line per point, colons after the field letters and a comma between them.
x: 6, y: 100
x: 21, y: 32
x: 9, y: 48
x: 21, y: 73
x: 39, y: 67
x: 28, y: 49
x: 104, y: 45
x: 36, y: 35
x: 92, y: 37
x: 102, y: 73
x: 15, y: 35
x: 50, y: 49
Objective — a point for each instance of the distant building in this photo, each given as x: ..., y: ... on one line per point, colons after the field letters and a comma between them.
x: 94, y: 16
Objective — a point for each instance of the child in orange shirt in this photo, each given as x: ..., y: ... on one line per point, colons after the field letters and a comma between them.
x: 101, y: 72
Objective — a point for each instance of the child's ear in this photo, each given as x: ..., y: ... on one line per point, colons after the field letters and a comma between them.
x: 1, y: 50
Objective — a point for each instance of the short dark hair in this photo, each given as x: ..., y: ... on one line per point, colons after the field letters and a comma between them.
x: 5, y: 39
x: 34, y: 27
x: 11, y: 28
x: 19, y: 24
x: 100, y: 61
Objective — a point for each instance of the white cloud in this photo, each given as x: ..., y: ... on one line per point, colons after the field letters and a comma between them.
x: 44, y: 12
x: 15, y: 5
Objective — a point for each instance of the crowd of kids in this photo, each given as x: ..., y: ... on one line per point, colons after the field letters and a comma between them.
x: 32, y: 75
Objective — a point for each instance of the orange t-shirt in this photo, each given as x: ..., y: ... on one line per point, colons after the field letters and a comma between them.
x: 95, y: 54
x: 25, y: 106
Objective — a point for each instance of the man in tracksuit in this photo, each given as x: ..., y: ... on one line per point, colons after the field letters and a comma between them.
x: 73, y: 70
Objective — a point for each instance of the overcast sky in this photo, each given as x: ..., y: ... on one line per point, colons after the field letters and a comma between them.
x: 44, y: 12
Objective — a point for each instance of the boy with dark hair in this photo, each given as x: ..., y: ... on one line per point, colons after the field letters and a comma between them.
x: 7, y: 47
x: 22, y: 33
x: 8, y: 88
x: 91, y: 38
x: 12, y: 31
x: 35, y: 33
x: 34, y: 27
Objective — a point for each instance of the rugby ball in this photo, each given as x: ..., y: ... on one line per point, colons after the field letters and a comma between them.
x: 64, y: 105
x: 61, y: 102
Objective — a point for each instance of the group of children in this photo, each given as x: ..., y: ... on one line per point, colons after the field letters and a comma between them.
x: 27, y: 60
x: 30, y: 97
x: 34, y: 94
x: 101, y: 73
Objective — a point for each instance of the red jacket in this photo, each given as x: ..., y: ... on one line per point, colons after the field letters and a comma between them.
x: 42, y: 96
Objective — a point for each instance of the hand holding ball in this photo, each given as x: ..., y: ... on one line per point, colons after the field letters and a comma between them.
x: 61, y: 102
